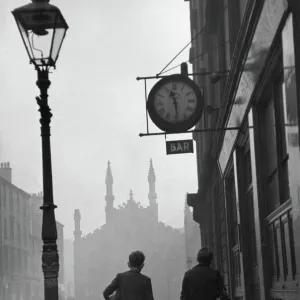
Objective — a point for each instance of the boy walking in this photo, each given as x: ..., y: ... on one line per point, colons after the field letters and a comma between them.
x: 131, y: 285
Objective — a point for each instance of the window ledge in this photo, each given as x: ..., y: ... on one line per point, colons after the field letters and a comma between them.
x: 282, y: 209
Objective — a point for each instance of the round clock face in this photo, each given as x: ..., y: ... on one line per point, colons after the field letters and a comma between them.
x: 175, y: 103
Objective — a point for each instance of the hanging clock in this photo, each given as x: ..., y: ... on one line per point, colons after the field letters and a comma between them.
x: 175, y: 103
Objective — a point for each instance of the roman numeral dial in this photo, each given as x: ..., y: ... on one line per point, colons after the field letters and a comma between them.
x: 175, y: 103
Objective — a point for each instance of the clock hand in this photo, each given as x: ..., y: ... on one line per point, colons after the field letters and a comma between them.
x: 176, y: 107
x: 173, y: 96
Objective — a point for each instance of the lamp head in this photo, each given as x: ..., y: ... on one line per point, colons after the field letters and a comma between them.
x: 43, y: 29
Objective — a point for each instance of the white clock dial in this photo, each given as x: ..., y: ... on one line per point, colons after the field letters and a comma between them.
x: 175, y: 102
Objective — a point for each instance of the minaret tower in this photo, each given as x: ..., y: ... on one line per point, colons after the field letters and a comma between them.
x: 77, y: 219
x: 131, y: 196
x: 152, y: 196
x: 78, y: 267
x: 109, y: 197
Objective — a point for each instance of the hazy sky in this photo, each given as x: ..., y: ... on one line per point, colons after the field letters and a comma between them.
x: 98, y: 107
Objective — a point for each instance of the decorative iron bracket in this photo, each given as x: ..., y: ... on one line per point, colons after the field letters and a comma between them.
x: 193, y: 131
x: 189, y: 131
x: 190, y: 74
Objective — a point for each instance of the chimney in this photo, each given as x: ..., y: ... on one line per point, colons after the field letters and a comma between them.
x: 5, y: 171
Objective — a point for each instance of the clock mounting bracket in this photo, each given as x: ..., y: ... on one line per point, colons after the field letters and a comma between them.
x: 183, y: 72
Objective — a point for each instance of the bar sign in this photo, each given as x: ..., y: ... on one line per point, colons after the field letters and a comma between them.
x: 180, y: 147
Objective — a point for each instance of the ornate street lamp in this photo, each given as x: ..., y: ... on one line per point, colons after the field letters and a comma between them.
x: 43, y: 29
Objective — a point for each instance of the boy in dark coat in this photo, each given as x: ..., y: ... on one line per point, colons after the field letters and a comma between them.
x: 202, y: 282
x: 131, y: 285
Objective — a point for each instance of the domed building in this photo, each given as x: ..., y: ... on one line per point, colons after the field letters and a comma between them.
x: 100, y: 255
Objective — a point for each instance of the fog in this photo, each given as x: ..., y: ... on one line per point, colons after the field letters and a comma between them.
x: 98, y: 111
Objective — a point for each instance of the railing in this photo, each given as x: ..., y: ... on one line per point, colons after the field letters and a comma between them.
x: 281, y: 243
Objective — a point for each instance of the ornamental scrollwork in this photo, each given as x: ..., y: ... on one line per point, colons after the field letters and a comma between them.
x: 50, y: 259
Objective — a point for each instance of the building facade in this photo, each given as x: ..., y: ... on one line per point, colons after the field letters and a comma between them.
x: 100, y: 255
x: 21, y: 276
x: 248, y: 202
x: 61, y: 252
x: 15, y: 274
x: 36, y: 245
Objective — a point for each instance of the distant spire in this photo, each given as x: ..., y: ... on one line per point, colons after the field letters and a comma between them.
x: 77, y: 219
x: 152, y: 196
x: 131, y: 196
x: 109, y: 178
x: 109, y: 197
x: 151, y: 173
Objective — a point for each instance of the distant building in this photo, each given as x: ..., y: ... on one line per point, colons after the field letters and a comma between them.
x: 15, y: 271
x: 61, y: 252
x: 69, y: 267
x: 192, y: 237
x: 21, y: 275
x: 100, y: 255
x: 36, y: 246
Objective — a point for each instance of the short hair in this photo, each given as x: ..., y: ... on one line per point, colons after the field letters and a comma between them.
x: 136, y: 259
x: 205, y: 256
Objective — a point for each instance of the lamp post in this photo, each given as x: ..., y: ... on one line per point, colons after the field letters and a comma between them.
x: 43, y: 29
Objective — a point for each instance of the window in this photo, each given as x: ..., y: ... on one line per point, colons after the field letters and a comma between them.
x: 12, y: 231
x: 5, y: 259
x: 19, y: 232
x: 5, y: 229
x: 11, y: 200
x: 7, y: 198
x: 25, y: 236
x: 233, y: 228
x: 25, y: 263
x: 24, y: 208
x: 17, y: 201
x: 194, y: 42
x: 20, y: 262
x: 2, y: 195
x: 223, y: 231
x: 274, y: 153
x: 226, y: 35
x: 16, y: 261
x: 270, y: 157
x: 282, y: 148
x: 249, y: 206
x: 242, y: 7
x: 9, y: 260
x: 231, y: 200
x: 232, y: 22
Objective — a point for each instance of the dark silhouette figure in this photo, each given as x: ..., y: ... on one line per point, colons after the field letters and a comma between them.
x: 202, y: 282
x: 131, y: 285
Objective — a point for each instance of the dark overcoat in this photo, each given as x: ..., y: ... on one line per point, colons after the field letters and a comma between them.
x: 202, y: 283
x: 130, y: 285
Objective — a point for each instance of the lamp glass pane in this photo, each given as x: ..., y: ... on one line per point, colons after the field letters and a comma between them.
x: 58, y: 38
x: 41, y: 46
x: 26, y: 42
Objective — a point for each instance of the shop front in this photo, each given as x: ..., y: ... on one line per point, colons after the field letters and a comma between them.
x: 260, y: 163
